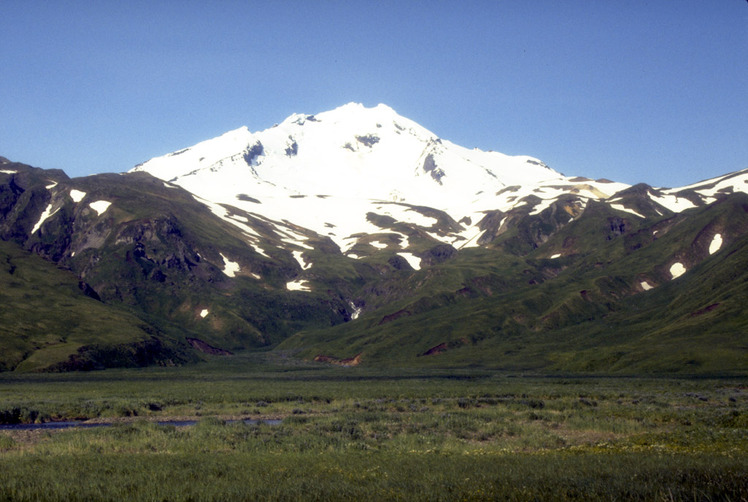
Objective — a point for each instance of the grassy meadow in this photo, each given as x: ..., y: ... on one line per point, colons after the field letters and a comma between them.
x: 357, y: 433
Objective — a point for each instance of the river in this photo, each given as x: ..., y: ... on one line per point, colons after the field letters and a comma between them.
x: 85, y: 425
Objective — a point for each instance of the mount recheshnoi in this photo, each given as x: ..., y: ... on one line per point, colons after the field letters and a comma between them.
x: 356, y: 236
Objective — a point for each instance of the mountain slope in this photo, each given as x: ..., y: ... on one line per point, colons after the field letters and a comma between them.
x: 339, y: 172
x: 356, y: 235
x: 617, y: 306
x: 136, y: 244
x: 51, y: 321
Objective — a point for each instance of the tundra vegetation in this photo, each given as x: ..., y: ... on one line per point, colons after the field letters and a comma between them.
x: 366, y: 434
x: 114, y: 271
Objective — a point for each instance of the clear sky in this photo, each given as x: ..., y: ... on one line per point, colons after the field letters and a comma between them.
x: 651, y: 91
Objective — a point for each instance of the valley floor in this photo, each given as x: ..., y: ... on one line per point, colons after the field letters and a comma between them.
x: 352, y: 433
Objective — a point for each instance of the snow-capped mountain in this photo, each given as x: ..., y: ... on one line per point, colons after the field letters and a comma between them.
x: 338, y: 173
x: 327, y: 172
x: 358, y: 235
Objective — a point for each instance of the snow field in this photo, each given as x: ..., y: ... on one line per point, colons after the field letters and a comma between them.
x: 100, y: 206
x: 327, y: 172
x: 298, y: 285
x: 230, y: 268
x: 47, y: 213
x: 672, y: 202
x: 412, y: 260
x: 77, y: 195
x: 356, y: 310
x: 356, y: 157
x: 621, y: 207
x: 299, y: 257
x: 677, y: 269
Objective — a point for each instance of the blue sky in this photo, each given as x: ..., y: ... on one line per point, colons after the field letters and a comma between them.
x: 635, y: 91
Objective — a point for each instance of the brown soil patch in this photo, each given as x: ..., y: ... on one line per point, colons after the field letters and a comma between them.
x: 351, y: 361
x: 207, y: 348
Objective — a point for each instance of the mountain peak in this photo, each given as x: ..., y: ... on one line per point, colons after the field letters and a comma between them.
x: 318, y: 219
x: 354, y: 107
x: 356, y: 158
x: 360, y: 117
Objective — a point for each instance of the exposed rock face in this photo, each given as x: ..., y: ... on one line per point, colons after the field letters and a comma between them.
x: 155, y: 249
x: 366, y: 223
x: 351, y: 361
x: 207, y: 348
x: 430, y: 167
x: 253, y: 153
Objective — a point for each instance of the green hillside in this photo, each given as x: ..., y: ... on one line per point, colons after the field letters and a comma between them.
x: 47, y: 322
x: 583, y: 312
x: 127, y: 270
x: 160, y: 254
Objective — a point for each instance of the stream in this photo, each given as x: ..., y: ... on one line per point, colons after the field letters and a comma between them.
x: 88, y: 425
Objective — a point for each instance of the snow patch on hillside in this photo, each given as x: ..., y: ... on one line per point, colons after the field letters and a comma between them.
x: 238, y: 218
x: 299, y: 256
x: 716, y: 244
x: 469, y: 237
x: 77, y: 195
x: 404, y: 243
x: 412, y: 260
x: 230, y: 268
x: 46, y: 214
x: 7, y: 171
x: 100, y: 206
x: 259, y: 250
x: 707, y: 199
x: 621, y: 207
x: 356, y: 310
x: 677, y: 269
x: 229, y: 217
x: 298, y: 285
x: 291, y: 237
x: 204, y: 312
x: 646, y: 286
x: 672, y: 202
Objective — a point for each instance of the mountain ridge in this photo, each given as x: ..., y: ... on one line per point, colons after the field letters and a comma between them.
x: 453, y: 184
x: 439, y: 258
x: 355, y: 157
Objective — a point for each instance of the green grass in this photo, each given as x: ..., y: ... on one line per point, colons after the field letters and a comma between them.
x: 584, y: 312
x: 45, y: 317
x: 363, y: 476
x: 373, y: 435
x: 155, y: 259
